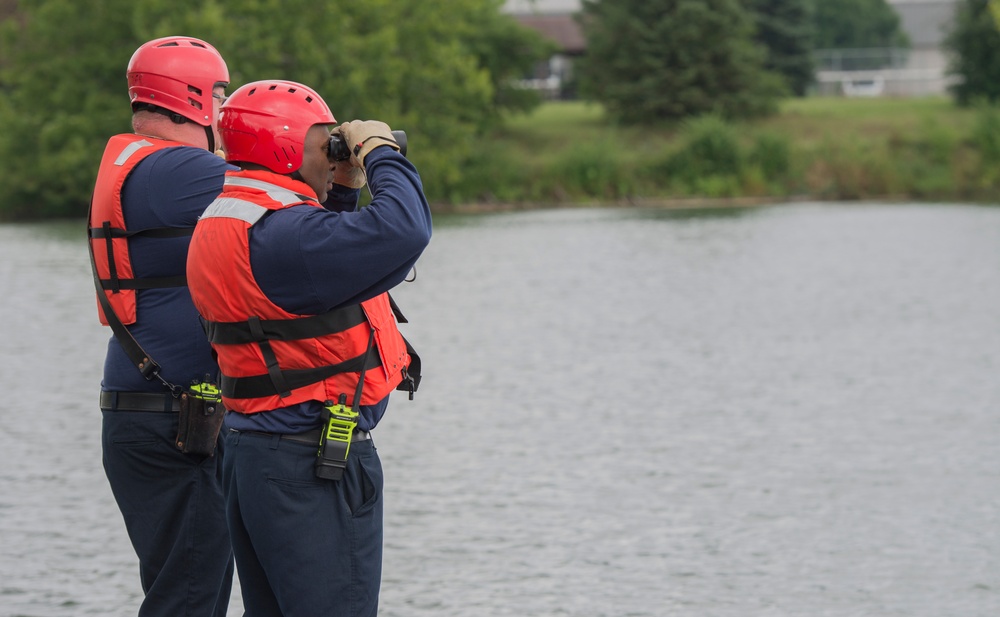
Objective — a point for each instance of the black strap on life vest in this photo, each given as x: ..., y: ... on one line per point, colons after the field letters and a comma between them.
x: 258, y: 386
x: 364, y: 367
x: 411, y: 374
x: 262, y: 331
x: 281, y: 382
x: 255, y: 330
x: 139, y: 358
x: 114, y: 283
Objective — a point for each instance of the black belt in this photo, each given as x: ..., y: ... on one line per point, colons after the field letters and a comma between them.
x: 139, y: 401
x: 309, y: 437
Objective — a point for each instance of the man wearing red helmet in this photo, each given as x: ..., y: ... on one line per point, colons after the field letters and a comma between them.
x: 294, y: 298
x: 151, y: 188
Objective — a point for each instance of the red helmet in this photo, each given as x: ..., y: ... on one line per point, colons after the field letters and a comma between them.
x: 177, y: 73
x: 265, y: 122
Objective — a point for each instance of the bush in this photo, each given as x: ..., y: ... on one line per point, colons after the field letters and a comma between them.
x: 595, y: 170
x: 710, y: 149
x: 986, y: 133
x: 772, y: 154
x: 491, y: 175
x: 851, y: 171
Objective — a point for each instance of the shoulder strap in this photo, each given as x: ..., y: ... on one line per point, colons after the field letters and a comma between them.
x: 140, y: 359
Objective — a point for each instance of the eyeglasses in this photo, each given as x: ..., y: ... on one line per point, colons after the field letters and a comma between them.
x: 219, y: 97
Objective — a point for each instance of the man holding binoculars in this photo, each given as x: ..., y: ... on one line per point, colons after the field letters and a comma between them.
x: 293, y: 292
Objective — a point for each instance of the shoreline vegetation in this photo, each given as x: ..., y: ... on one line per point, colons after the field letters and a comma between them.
x: 815, y: 149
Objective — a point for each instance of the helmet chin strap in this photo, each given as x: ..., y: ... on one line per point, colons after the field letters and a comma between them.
x: 211, y: 138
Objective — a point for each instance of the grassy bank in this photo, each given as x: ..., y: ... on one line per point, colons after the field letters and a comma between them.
x: 818, y: 148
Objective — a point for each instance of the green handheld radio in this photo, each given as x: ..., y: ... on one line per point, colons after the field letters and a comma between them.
x: 335, y: 441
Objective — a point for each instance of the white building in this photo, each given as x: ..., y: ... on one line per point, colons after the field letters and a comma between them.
x: 918, y: 71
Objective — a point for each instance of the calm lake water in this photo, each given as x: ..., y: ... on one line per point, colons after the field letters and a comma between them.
x: 789, y: 410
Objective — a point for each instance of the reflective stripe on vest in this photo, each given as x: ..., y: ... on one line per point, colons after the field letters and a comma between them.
x: 129, y: 150
x: 231, y: 208
x: 279, y: 194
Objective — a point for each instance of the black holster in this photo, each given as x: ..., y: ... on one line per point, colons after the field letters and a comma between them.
x: 198, y: 425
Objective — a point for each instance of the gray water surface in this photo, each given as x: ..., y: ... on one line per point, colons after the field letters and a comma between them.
x: 789, y: 410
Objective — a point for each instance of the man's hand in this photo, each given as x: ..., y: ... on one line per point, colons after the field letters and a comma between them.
x: 363, y: 136
x: 348, y: 175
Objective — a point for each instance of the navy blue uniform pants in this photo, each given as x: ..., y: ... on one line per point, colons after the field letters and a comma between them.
x: 304, y: 547
x: 174, y: 512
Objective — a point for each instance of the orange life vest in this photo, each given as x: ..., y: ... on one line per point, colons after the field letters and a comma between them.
x: 107, y: 231
x: 268, y: 357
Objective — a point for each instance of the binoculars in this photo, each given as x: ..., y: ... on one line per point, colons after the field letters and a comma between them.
x: 338, y: 150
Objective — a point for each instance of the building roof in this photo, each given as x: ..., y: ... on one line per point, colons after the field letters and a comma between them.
x: 562, y: 29
x: 538, y: 7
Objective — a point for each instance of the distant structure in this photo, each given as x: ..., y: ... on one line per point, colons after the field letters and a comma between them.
x: 553, y: 19
x: 920, y: 70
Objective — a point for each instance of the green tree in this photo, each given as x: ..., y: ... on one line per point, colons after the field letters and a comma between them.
x: 845, y: 24
x: 651, y: 60
x: 975, y: 43
x: 785, y: 28
x: 440, y: 71
x: 58, y: 102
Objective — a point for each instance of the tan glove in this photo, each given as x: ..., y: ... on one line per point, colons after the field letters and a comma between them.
x: 346, y: 174
x: 363, y: 136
